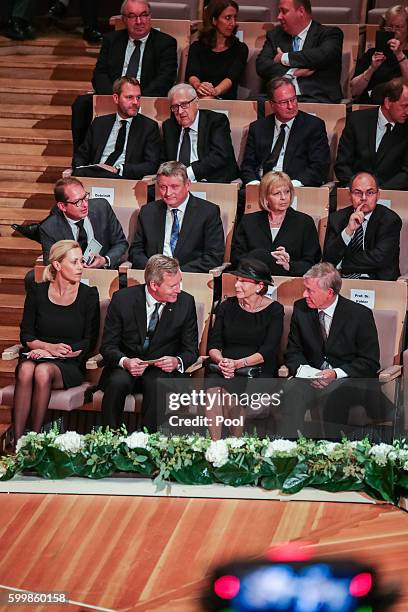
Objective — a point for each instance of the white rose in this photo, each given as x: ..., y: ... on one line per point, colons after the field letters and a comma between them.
x: 69, y: 442
x: 380, y: 453
x: 138, y: 439
x: 24, y: 440
x: 235, y: 442
x: 217, y: 453
x: 281, y: 446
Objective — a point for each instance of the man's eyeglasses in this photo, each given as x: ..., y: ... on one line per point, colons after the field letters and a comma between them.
x: 78, y: 202
x: 175, y: 108
x: 286, y: 102
x: 134, y: 17
x: 360, y: 194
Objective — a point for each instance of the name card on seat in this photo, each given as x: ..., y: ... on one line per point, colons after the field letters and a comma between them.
x: 104, y: 192
x: 366, y: 297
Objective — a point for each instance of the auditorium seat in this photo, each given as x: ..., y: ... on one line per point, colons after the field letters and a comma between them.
x: 380, y: 6
x: 313, y: 201
x: 397, y: 201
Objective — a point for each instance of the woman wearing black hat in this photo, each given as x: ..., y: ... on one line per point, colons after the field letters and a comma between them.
x: 246, y: 335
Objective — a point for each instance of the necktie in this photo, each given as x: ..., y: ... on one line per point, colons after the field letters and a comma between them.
x: 296, y: 40
x: 185, y: 149
x: 272, y: 160
x: 120, y: 143
x: 385, y: 138
x: 133, y: 65
x: 82, y: 238
x: 322, y: 317
x: 175, y: 231
x: 356, y: 243
x: 154, y: 319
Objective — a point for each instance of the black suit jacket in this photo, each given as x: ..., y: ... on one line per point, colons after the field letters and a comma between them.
x: 380, y: 258
x: 200, y: 246
x: 357, y: 153
x: 216, y: 159
x: 297, y: 234
x: 322, y: 52
x: 106, y: 227
x: 142, y: 149
x: 307, y: 154
x: 352, y: 344
x: 159, y: 64
x: 126, y: 327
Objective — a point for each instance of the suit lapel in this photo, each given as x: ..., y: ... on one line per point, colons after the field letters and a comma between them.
x: 201, y: 136
x: 338, y: 322
x: 173, y: 137
x: 164, y: 323
x: 140, y: 310
x: 284, y: 229
x: 161, y: 226
x: 133, y: 139
x: 310, y: 36
x: 105, y: 130
x: 292, y: 141
x: 371, y: 136
x: 388, y: 144
x: 266, y: 138
x: 372, y: 225
x: 263, y: 222
x: 187, y: 226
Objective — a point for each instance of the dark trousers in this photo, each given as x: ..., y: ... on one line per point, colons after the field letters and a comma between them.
x: 82, y: 111
x: 117, y: 383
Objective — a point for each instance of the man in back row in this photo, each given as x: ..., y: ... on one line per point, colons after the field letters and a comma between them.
x: 304, y: 50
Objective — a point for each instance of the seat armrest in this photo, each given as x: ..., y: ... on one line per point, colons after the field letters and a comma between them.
x: 94, y: 362
x: 197, y: 365
x: 283, y: 371
x: 11, y: 352
x: 390, y: 373
x: 124, y: 266
x: 149, y: 179
x: 219, y: 269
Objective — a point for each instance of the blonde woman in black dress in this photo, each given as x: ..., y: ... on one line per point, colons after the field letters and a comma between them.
x: 58, y: 330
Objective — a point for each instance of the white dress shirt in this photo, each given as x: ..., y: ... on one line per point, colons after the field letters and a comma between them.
x: 329, y: 312
x: 128, y: 54
x: 88, y: 231
x: 169, y: 224
x: 381, y: 128
x: 111, y: 142
x: 285, y: 57
x: 193, y: 146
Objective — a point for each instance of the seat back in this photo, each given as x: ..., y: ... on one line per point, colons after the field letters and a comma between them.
x: 313, y: 201
x: 396, y: 201
x: 200, y: 286
x: 251, y: 83
x: 125, y: 196
x: 353, y: 10
x: 106, y: 281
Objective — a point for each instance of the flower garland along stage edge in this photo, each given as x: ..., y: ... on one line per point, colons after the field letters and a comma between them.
x: 379, y: 470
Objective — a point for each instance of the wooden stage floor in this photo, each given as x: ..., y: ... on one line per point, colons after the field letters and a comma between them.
x: 152, y: 554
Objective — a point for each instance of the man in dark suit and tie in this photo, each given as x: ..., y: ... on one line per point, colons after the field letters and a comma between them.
x: 150, y: 333
x: 76, y: 216
x: 179, y: 225
x: 336, y: 340
x: 288, y: 140
x: 364, y: 238
x: 139, y: 51
x: 305, y: 50
x: 375, y: 140
x: 200, y: 139
x: 123, y: 145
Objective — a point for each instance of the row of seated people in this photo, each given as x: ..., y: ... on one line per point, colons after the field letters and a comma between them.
x: 127, y: 144
x: 362, y: 239
x: 150, y: 334
x: 217, y: 60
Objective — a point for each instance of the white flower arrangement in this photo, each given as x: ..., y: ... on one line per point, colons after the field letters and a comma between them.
x: 281, y: 446
x: 381, y: 453
x: 70, y: 442
x: 138, y: 439
x: 235, y: 442
x: 217, y: 453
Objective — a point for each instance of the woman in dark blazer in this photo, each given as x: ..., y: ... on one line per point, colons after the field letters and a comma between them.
x: 290, y: 237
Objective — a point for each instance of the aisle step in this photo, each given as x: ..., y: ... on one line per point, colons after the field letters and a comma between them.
x: 22, y: 216
x: 49, y: 46
x: 11, y: 309
x: 41, y: 91
x: 26, y: 195
x: 23, y: 141
x: 37, y: 168
x: 41, y: 117
x: 47, y: 68
x: 9, y: 335
x: 7, y: 372
x: 12, y: 279
x: 18, y: 251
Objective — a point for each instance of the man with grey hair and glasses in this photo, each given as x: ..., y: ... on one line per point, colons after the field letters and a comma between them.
x: 331, y: 339
x: 200, y: 139
x: 138, y: 51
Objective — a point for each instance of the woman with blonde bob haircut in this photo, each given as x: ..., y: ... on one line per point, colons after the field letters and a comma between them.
x: 58, y: 330
x: 279, y: 235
